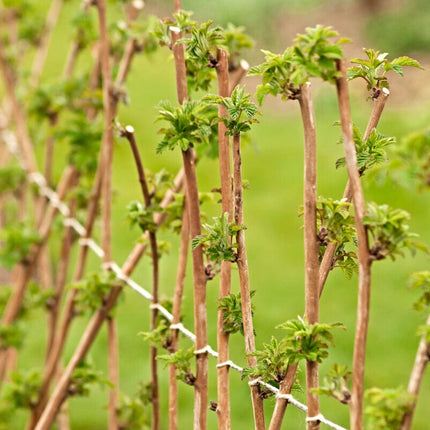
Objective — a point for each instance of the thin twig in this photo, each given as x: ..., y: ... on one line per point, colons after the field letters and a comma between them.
x: 128, y: 133
x: 176, y: 314
x: 421, y: 361
x: 242, y: 265
x: 43, y: 46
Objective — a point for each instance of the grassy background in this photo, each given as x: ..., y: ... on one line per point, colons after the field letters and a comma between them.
x: 273, y: 165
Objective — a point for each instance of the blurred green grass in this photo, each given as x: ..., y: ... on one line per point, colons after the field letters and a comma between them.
x: 273, y: 166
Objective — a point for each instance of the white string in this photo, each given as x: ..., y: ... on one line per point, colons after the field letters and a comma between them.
x: 317, y: 418
x: 39, y: 180
x: 206, y: 350
x: 87, y: 241
x: 230, y: 364
x: 76, y: 225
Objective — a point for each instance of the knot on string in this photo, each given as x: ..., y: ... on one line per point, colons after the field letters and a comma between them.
x: 317, y: 418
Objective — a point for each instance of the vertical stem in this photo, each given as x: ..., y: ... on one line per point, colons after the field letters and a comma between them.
x: 364, y: 262
x: 199, y: 276
x: 176, y: 313
x: 177, y: 5
x: 42, y: 51
x: 113, y: 366
x: 106, y: 194
x: 421, y: 361
x: 242, y: 265
x: 223, y: 381
x: 310, y: 243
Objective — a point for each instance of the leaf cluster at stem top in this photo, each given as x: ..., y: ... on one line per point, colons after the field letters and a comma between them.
x: 312, y: 55
x: 241, y: 111
x: 374, y: 69
x: 389, y: 230
x: 336, y: 384
x: 189, y: 125
x: 304, y: 341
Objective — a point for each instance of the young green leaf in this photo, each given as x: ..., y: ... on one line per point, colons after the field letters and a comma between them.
x: 386, y: 407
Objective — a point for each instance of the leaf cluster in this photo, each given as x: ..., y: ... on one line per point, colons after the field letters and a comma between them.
x: 386, y: 407
x: 142, y: 216
x: 304, y: 341
x: 231, y: 305
x: 370, y: 152
x: 421, y: 281
x: 272, y: 362
x: 22, y: 391
x: 133, y: 412
x: 413, y: 157
x: 17, y: 238
x: 84, y: 29
x: 336, y: 225
x: 235, y: 41
x: 83, y: 377
x: 159, y: 337
x: 11, y: 178
x: 217, y: 241
x: 47, y: 100
x: 336, y: 384
x: 389, y: 231
x: 84, y: 138
x: 182, y: 360
x: 241, y: 111
x: 312, y: 55
x: 189, y: 125
x: 374, y: 69
x: 91, y: 292
x: 11, y: 335
x: 181, y: 20
x: 200, y: 54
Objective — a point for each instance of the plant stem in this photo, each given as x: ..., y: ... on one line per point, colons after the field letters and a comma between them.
x: 421, y: 361
x: 176, y: 313
x: 24, y: 139
x: 75, y: 48
x: 311, y: 244
x: 15, y: 301
x: 129, y: 134
x: 177, y: 5
x: 242, y: 265
x: 364, y: 262
x: 113, y: 366
x: 60, y: 282
x: 199, y: 276
x: 48, y: 409
x: 324, y: 270
x: 223, y: 380
x: 375, y: 116
x: 42, y: 51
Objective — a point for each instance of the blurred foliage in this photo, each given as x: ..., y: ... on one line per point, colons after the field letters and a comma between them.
x: 398, y: 36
